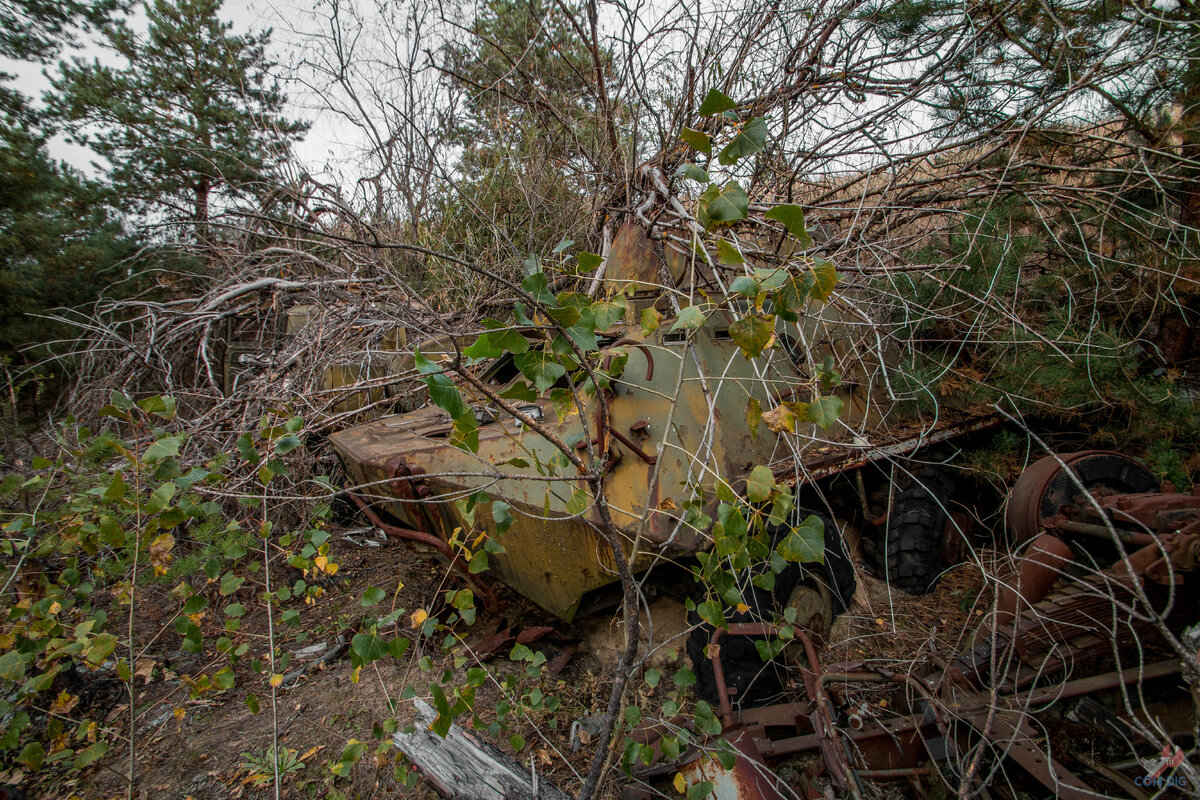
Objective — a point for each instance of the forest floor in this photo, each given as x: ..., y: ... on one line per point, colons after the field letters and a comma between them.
x: 215, y: 746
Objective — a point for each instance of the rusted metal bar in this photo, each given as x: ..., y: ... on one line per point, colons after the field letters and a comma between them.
x: 637, y: 451
x: 487, y: 594
x: 1100, y: 532
x: 403, y: 533
x: 825, y: 467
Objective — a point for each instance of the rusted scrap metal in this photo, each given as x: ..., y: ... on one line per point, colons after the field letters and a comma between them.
x: 987, y: 692
x: 460, y: 767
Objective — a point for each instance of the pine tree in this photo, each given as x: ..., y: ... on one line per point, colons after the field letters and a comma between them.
x: 192, y: 121
x: 60, y: 244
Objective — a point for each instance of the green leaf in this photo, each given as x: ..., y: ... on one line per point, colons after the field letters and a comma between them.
x: 749, y: 140
x: 166, y: 447
x: 727, y: 253
x: 702, y: 789
x: 287, y: 444
x: 441, y: 725
x: 792, y: 217
x: 116, y: 487
x: 251, y: 702
x: 442, y: 390
x: 805, y: 543
x: 368, y: 647
x: 760, y: 484
x: 752, y: 334
x: 753, y: 415
x: 697, y: 140
x: 683, y: 678
x: 32, y: 755
x: 745, y: 286
x: 538, y: 288
x: 653, y: 676
x: 224, y: 679
x: 711, y: 612
x: 464, y: 433
x: 478, y: 563
x: 723, y: 204
x: 540, y: 367
x: 245, y: 446
x: 690, y: 318
x: 824, y: 411
x: 825, y: 279
x: 693, y: 172
x: 159, y: 406
x: 160, y: 498
x: 120, y: 401
x: 588, y: 261
x: 707, y: 723
x: 716, y: 102
x: 502, y: 516
x: 520, y: 391
x: 651, y: 319
x: 372, y: 596
x: 230, y: 583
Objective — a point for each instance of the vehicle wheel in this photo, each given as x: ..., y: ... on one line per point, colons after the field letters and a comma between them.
x: 818, y: 592
x: 1045, y: 487
x: 751, y: 681
x: 837, y: 573
x: 921, y: 537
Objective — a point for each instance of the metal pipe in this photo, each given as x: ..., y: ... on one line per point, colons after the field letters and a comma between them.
x: 1101, y: 532
x: 404, y: 533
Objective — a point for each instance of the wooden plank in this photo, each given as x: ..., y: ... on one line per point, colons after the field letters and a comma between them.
x: 461, y: 767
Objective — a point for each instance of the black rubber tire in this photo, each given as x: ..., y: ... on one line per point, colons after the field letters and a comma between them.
x: 837, y: 572
x: 912, y: 538
x: 759, y: 683
x: 755, y: 682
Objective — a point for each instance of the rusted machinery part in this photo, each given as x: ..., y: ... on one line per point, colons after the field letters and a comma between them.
x: 1040, y: 566
x: 896, y: 748
x: 1045, y: 487
x: 487, y: 594
x: 640, y: 346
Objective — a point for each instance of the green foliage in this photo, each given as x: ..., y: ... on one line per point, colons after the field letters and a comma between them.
x: 36, y: 30
x: 60, y: 244
x: 191, y: 118
x: 108, y: 515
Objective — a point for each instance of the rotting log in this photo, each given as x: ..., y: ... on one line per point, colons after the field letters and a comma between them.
x: 460, y: 766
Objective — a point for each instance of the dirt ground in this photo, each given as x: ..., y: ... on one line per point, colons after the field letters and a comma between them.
x: 212, y: 747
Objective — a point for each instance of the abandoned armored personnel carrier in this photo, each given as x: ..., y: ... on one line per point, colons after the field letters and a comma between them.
x: 690, y: 412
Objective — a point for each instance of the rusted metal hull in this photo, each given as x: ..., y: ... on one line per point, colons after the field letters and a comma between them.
x: 663, y: 442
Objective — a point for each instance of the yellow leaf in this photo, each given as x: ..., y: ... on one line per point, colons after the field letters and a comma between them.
x: 55, y: 607
x: 419, y: 616
x: 92, y: 729
x: 64, y: 703
x: 742, y: 608
x: 332, y: 569
x: 679, y: 783
x: 276, y: 679
x: 354, y: 674
x: 180, y: 713
x: 320, y: 562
